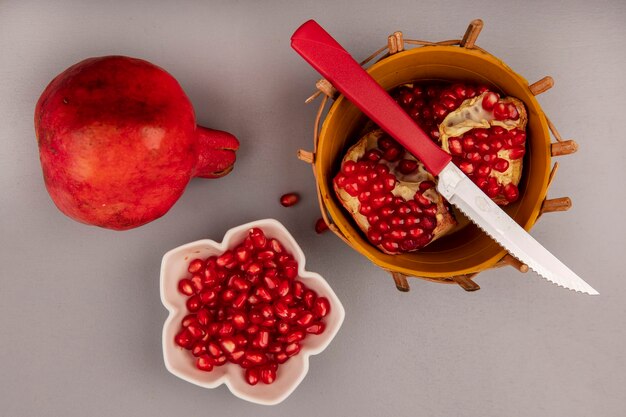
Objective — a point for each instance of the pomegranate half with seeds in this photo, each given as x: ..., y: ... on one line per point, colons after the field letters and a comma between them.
x: 391, y: 196
x: 118, y: 142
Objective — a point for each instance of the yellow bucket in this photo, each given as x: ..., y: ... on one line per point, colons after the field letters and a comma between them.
x: 467, y: 251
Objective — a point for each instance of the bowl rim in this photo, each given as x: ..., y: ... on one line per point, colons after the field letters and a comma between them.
x: 344, y: 226
x: 167, y: 279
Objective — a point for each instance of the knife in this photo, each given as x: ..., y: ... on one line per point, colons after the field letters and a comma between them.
x: 331, y: 60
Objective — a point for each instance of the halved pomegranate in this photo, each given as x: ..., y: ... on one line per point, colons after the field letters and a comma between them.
x: 391, y: 196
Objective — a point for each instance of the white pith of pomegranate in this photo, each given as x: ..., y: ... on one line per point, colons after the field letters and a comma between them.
x: 390, y: 195
x: 247, y: 307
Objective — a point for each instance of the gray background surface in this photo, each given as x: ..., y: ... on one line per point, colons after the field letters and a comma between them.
x: 80, y: 315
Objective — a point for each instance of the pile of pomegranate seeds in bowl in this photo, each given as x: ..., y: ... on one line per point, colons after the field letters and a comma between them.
x: 388, y: 192
x: 246, y: 311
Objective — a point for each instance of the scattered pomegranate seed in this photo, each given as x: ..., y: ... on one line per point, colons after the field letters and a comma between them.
x: 320, y: 226
x: 289, y: 199
x: 247, y: 307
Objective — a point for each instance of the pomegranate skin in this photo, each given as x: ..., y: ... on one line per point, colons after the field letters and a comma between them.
x: 118, y: 142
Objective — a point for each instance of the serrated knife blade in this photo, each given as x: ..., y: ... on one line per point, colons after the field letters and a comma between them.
x: 331, y: 60
x: 459, y: 190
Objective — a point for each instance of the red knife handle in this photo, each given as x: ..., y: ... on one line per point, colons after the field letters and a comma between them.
x: 324, y: 54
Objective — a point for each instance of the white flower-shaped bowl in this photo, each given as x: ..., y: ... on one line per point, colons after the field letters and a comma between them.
x: 181, y: 362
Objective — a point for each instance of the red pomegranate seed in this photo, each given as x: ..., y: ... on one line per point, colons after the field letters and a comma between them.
x: 237, y: 356
x: 406, y: 98
x: 292, y: 349
x: 267, y: 375
x: 483, y: 170
x: 517, y: 152
x: 305, y: 319
x: 490, y: 157
x: 227, y: 260
x: 321, y: 307
x: 493, y: 188
x: 439, y: 111
x: 316, y: 328
x: 262, y: 339
x: 373, y: 155
x: 213, y: 349
x: 228, y: 344
x: 320, y: 226
x: 407, y: 166
x: 512, y: 110
x: 227, y: 329
x: 195, y: 266
x: 473, y: 157
x: 291, y: 269
x: 518, y: 137
x: 185, y: 286
x: 195, y: 331
x: 289, y: 199
x: 252, y: 376
x: 393, y: 153
x: 482, y: 183
x: 455, y: 146
x: 500, y: 164
x: 384, y: 143
x: 205, y: 363
x: 283, y: 327
x: 468, y: 143
x: 196, y: 282
x: 500, y: 111
x: 203, y: 316
x: 240, y: 321
x: 467, y: 167
x: 255, y: 357
x: 199, y: 348
x: 194, y: 303
x: 281, y: 309
x: 449, y: 103
x: 374, y: 236
x: 349, y: 167
x: 281, y: 357
x: 184, y: 339
x: 242, y: 254
x: 426, y: 185
x: 240, y: 300
x: 253, y: 329
x: 295, y: 336
x: 511, y: 192
x: 489, y: 100
x: 496, y: 144
x: 259, y: 240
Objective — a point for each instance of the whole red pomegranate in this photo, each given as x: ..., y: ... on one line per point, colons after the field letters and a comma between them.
x: 118, y: 142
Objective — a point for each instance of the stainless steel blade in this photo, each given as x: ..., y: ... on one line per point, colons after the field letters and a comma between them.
x: 459, y: 190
